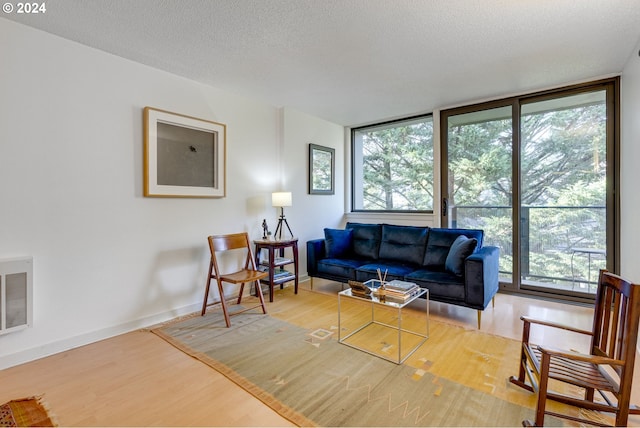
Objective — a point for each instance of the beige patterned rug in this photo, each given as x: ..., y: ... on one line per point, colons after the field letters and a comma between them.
x: 457, y: 378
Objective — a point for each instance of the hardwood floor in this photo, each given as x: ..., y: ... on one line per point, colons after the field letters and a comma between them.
x: 137, y: 379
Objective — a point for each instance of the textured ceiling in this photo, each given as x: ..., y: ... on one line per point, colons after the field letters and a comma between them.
x: 359, y: 61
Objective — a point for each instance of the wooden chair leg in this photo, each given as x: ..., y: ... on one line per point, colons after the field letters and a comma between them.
x: 311, y: 279
x: 542, y: 390
x: 625, y: 409
x: 521, y: 379
x: 206, y: 291
x: 622, y: 417
x: 261, y: 297
x: 240, y: 293
x: 223, y: 302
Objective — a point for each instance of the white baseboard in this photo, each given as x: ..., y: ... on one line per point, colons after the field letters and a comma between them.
x: 42, y: 351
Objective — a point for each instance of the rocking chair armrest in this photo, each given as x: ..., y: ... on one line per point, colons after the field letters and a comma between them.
x: 546, y: 323
x: 578, y: 356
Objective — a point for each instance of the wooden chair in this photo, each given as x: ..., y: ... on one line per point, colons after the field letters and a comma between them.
x: 249, y: 273
x: 608, y: 369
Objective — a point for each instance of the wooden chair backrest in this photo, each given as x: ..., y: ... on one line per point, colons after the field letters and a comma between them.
x: 228, y: 242
x: 615, y: 322
x: 232, y: 241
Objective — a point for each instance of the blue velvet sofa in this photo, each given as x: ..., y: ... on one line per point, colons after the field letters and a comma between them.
x: 452, y: 263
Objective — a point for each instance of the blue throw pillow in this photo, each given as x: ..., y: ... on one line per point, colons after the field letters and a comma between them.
x: 337, y: 242
x: 461, y: 248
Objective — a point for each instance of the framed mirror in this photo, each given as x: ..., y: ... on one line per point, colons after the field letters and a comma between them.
x: 321, y: 170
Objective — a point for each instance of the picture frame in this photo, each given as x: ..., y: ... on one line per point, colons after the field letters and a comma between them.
x: 321, y: 170
x: 184, y: 157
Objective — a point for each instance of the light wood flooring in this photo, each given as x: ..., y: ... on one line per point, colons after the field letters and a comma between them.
x: 137, y: 379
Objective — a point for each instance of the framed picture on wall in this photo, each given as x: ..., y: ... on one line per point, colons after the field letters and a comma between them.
x: 184, y: 157
x: 321, y: 170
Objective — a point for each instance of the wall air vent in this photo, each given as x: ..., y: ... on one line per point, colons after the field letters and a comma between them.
x: 16, y: 288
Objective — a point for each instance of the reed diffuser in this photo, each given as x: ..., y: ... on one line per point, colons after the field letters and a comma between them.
x: 381, y: 290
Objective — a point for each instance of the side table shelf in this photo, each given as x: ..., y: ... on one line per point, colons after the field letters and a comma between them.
x: 274, y: 264
x: 280, y: 276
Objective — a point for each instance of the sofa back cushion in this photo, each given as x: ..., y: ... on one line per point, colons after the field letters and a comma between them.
x: 403, y: 243
x: 365, y: 239
x: 338, y: 242
x: 439, y: 242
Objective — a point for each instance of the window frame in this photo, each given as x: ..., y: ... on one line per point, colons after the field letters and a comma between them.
x: 612, y: 85
x: 385, y: 124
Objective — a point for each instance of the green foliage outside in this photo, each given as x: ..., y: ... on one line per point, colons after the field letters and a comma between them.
x: 398, y: 168
x: 562, y: 173
x: 563, y: 189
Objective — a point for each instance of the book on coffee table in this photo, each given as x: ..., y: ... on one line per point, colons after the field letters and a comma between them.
x: 401, y: 286
x: 400, y: 297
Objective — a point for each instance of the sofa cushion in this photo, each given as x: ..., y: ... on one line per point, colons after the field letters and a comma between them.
x: 441, y: 285
x: 345, y: 268
x: 393, y: 270
x: 338, y: 242
x: 366, y: 240
x: 439, y: 242
x: 461, y: 248
x: 403, y: 243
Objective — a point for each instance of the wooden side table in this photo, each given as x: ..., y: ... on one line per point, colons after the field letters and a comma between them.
x: 274, y: 264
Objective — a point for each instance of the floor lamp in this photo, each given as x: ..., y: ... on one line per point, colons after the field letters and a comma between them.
x: 281, y: 199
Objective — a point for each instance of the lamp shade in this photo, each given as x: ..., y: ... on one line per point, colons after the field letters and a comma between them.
x: 281, y: 199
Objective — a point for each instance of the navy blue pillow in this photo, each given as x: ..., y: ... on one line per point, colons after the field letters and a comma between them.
x: 461, y: 248
x: 337, y: 242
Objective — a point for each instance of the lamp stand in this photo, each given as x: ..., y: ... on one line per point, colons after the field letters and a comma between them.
x: 279, y: 228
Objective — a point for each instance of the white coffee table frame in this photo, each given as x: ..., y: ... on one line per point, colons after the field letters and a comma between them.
x: 375, y: 301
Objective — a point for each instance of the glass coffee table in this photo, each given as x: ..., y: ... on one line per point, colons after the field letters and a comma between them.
x: 381, y: 327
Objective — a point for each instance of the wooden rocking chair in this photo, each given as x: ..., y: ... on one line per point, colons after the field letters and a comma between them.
x: 608, y: 369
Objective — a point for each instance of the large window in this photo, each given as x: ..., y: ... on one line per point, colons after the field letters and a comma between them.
x: 538, y: 174
x: 392, y: 166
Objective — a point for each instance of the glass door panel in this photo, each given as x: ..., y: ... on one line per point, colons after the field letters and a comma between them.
x: 563, y: 163
x: 479, y: 187
x: 538, y: 174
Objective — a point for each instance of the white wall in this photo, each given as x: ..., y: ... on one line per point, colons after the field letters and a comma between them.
x: 310, y: 214
x: 107, y: 259
x: 629, y: 171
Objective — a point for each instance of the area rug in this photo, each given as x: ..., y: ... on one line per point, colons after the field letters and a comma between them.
x: 25, y: 412
x: 457, y: 378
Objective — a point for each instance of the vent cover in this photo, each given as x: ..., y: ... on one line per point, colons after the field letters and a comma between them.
x: 16, y: 288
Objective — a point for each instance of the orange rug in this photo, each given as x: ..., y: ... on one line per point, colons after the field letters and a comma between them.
x: 25, y: 412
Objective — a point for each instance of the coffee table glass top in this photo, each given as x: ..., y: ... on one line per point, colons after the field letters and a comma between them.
x: 375, y: 299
